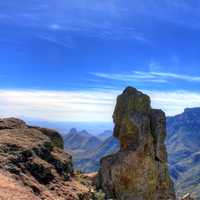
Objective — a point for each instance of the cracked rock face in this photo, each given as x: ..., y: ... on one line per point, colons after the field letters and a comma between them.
x: 139, y: 170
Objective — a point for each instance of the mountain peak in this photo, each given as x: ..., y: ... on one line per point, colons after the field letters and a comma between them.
x: 189, y: 118
x: 73, y: 130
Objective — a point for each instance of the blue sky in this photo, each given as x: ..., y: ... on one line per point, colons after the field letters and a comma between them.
x: 68, y: 60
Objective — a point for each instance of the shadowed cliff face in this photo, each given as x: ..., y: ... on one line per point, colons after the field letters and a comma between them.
x: 139, y: 170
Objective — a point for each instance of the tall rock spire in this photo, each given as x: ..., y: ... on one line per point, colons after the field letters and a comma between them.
x: 139, y: 170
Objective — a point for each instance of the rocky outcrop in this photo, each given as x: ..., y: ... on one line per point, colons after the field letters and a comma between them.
x: 139, y: 170
x: 11, y: 123
x: 33, y: 165
x: 55, y: 137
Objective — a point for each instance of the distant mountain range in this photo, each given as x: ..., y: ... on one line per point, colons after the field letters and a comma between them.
x: 87, y: 149
x: 183, y: 144
x: 81, y: 140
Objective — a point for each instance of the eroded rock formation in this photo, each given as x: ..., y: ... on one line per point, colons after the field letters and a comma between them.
x: 33, y: 165
x: 139, y: 170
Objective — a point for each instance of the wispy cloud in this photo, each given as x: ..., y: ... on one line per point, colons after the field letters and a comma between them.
x: 100, y: 19
x: 174, y: 102
x: 130, y: 77
x: 105, y: 30
x: 176, y: 76
x: 85, y: 105
x: 62, y: 42
x: 104, y: 19
x: 140, y: 76
x: 58, y: 106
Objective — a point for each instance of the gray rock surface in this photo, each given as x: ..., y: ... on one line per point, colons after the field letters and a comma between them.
x: 139, y: 170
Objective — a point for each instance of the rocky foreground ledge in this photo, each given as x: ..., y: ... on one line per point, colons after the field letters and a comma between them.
x: 33, y: 165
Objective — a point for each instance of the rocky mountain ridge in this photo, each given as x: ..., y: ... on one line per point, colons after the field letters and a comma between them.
x: 80, y: 140
x: 183, y: 144
x: 34, y: 166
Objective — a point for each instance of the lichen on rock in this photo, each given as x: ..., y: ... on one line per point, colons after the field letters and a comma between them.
x: 139, y: 170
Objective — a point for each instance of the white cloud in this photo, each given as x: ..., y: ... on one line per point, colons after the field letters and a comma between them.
x: 58, y: 106
x: 135, y: 76
x: 140, y: 76
x: 174, y: 102
x: 176, y: 76
x: 83, y: 105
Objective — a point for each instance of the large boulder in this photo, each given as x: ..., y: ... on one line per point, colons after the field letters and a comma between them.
x: 139, y: 170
